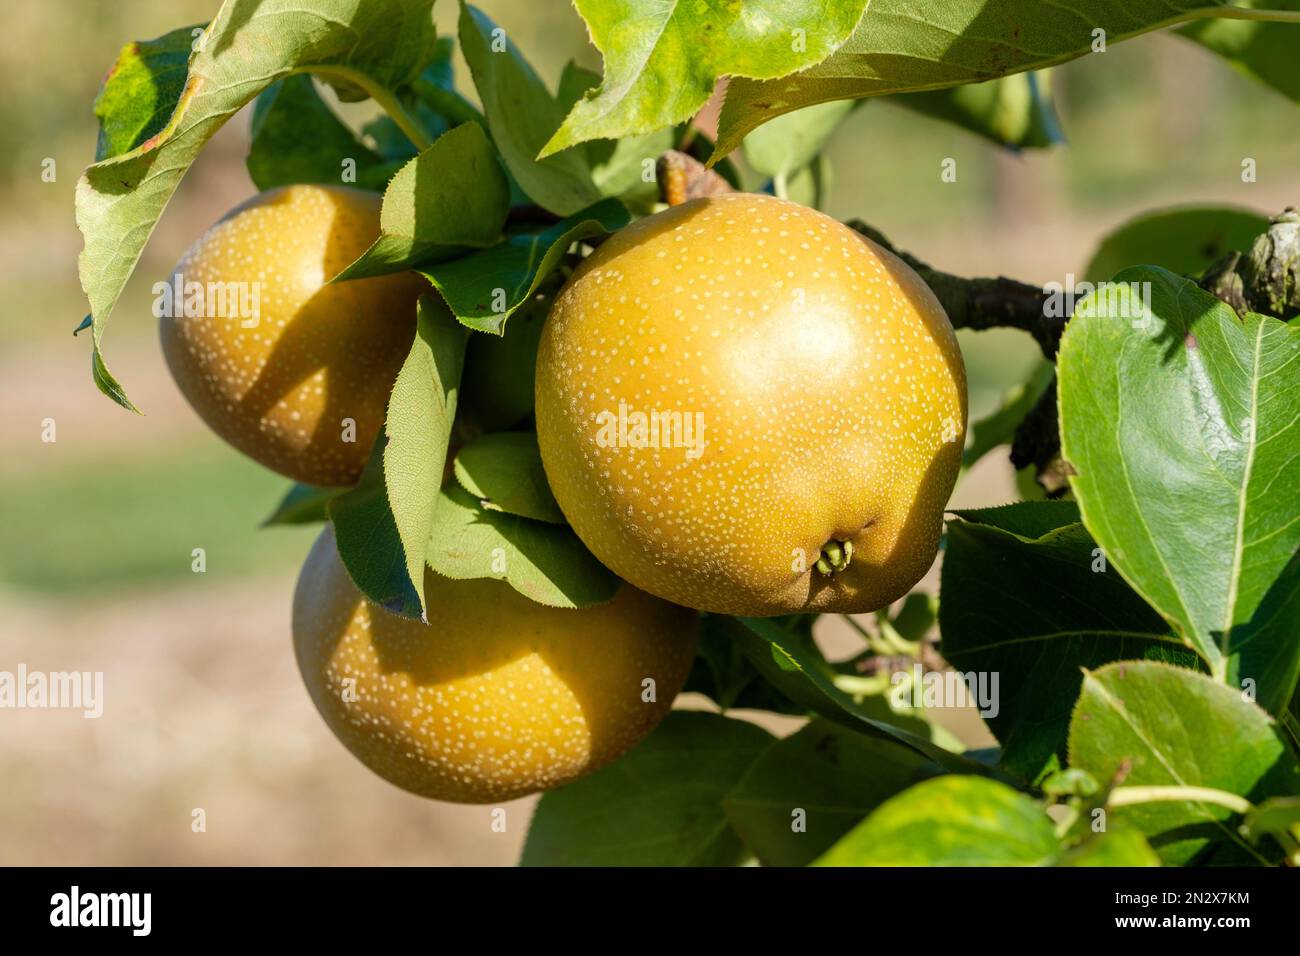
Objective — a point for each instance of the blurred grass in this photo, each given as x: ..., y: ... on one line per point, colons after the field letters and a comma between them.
x: 131, y: 520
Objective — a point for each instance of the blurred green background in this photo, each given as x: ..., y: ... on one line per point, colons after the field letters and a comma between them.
x: 99, y: 525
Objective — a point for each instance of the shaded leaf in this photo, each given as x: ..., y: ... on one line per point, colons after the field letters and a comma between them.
x: 298, y: 139
x: 485, y: 288
x: 302, y: 504
x: 1014, y: 111
x: 1032, y: 610
x: 806, y: 791
x: 141, y: 90
x: 1183, y: 239
x: 1262, y: 51
x: 660, y: 805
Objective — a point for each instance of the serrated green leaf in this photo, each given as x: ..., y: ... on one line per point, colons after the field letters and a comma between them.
x: 141, y: 90
x: 1182, y: 239
x: 522, y: 114
x: 660, y: 805
x: 952, y: 820
x: 380, y: 44
x: 806, y: 791
x: 503, y: 470
x: 450, y: 199
x: 382, y: 526
x: 544, y: 562
x: 298, y: 139
x: 1183, y: 425
x: 902, y: 46
x: 663, y: 60
x: 1167, y: 726
x: 484, y: 289
x: 1027, y: 604
x: 420, y: 415
x: 369, y: 544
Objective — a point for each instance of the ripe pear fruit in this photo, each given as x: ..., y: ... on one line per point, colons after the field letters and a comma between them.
x: 301, y: 386
x: 499, y: 696
x: 743, y: 406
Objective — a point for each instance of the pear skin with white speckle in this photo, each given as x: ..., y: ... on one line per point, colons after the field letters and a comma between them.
x: 497, y: 697
x: 290, y: 370
x: 744, y: 406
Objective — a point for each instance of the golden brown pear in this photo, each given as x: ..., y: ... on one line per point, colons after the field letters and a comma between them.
x: 745, y: 407
x: 296, y: 373
x: 499, y: 696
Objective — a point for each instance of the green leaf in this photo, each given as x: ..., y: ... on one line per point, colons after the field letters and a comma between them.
x: 915, y: 618
x: 369, y: 544
x: 723, y: 673
x: 485, y: 288
x: 522, y: 114
x: 806, y: 791
x: 660, y: 805
x: 501, y: 370
x: 663, y: 60
x: 791, y: 663
x: 1182, y: 239
x: 302, y: 504
x: 298, y: 139
x: 1262, y: 51
x: 1119, y: 846
x: 623, y: 168
x: 544, y: 562
x: 1278, y: 816
x: 952, y: 820
x: 504, y: 471
x: 247, y: 47
x: 420, y: 415
x: 900, y: 46
x: 1014, y: 111
x: 788, y: 144
x: 383, y: 525
x: 999, y: 428
x: 1028, y: 520
x: 1032, y: 610
x: 1184, y: 434
x: 451, y: 198
x: 1172, y: 727
x: 809, y: 186
x: 141, y: 90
